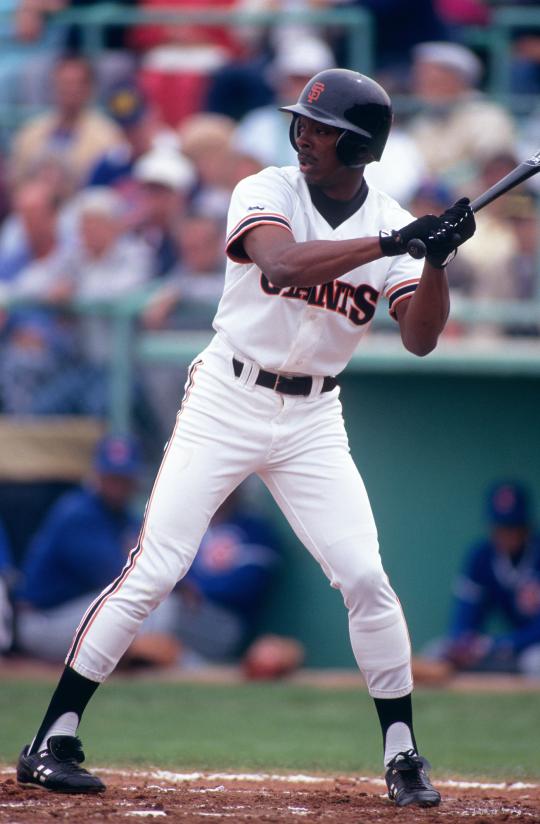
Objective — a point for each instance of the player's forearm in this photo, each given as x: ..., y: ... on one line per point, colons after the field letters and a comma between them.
x: 317, y: 261
x: 424, y: 316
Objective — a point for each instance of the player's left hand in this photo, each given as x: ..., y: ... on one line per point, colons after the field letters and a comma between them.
x: 457, y: 224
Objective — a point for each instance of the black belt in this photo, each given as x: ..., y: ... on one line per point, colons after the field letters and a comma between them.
x: 300, y: 385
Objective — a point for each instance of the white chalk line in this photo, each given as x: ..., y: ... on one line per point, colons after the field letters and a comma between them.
x: 180, y: 778
x: 314, y: 779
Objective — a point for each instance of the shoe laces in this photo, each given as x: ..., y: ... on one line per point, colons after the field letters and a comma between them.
x: 412, y: 765
x: 66, y: 748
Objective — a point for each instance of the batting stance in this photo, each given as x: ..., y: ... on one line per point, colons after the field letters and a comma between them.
x: 310, y: 251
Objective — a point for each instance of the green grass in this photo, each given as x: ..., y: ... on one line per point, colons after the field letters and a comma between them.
x: 282, y: 727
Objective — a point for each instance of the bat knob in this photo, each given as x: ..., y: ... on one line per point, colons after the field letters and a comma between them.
x: 416, y: 248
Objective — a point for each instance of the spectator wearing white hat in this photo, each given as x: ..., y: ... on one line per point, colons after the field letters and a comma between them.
x: 458, y: 127
x: 107, y: 263
x: 261, y: 133
x: 166, y: 178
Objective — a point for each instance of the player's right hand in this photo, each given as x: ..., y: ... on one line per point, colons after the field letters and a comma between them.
x: 457, y: 226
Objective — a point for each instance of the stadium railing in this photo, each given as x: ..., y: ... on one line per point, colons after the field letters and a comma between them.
x: 495, y: 39
x: 355, y: 23
x: 382, y: 351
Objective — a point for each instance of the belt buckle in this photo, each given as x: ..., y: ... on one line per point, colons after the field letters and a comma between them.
x: 282, y: 378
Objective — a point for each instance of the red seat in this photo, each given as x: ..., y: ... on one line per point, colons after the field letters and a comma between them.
x: 176, y: 94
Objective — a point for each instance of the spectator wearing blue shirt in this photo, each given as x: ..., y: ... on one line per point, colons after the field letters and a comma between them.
x: 500, y: 577
x: 81, y: 546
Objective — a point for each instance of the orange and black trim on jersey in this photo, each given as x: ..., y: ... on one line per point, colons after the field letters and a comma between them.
x: 234, y: 247
x: 96, y: 606
x: 401, y: 291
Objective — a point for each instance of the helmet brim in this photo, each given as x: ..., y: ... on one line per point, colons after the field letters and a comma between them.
x: 323, y: 117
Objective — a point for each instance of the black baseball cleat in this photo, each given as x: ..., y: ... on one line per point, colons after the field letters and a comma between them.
x: 408, y: 783
x: 56, y: 768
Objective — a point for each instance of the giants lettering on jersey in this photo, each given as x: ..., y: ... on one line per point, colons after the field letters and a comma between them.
x: 357, y: 303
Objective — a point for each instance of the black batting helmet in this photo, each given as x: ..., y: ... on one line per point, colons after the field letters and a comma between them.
x: 350, y: 101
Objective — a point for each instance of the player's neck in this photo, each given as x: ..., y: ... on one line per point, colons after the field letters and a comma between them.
x: 345, y: 188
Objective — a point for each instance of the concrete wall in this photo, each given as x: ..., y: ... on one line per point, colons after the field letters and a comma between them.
x: 426, y: 445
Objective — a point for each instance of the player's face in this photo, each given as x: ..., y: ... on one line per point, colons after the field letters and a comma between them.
x: 317, y: 156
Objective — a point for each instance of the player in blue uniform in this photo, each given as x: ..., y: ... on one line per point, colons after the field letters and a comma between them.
x: 500, y: 577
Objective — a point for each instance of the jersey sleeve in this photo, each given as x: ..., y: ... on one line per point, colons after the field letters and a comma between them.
x: 404, y: 272
x: 261, y: 199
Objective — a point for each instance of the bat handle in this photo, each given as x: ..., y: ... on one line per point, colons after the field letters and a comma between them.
x: 416, y: 248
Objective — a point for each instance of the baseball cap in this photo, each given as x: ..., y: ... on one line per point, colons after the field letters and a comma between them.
x: 167, y: 167
x: 117, y: 455
x: 125, y: 103
x: 453, y: 56
x: 301, y: 58
x: 100, y: 200
x: 508, y: 504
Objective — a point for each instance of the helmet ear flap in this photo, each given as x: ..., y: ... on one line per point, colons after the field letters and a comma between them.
x: 352, y: 151
x: 293, y: 131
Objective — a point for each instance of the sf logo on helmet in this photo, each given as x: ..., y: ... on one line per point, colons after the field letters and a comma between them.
x: 315, y: 92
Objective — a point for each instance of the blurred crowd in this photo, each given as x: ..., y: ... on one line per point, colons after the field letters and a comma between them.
x: 116, y: 177
x: 116, y: 168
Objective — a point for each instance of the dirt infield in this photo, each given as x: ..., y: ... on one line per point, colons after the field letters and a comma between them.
x: 192, y: 799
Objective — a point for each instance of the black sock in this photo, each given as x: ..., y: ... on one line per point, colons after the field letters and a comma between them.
x: 391, y: 710
x: 71, y: 695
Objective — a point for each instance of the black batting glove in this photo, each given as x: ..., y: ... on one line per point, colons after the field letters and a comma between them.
x: 460, y: 219
x: 396, y: 242
x: 457, y: 226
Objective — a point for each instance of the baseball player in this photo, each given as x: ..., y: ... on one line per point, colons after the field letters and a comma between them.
x: 310, y: 251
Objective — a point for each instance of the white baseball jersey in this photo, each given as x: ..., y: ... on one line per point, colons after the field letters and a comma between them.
x: 306, y: 330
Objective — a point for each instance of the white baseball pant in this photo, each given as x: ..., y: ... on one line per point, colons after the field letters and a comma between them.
x: 228, y: 428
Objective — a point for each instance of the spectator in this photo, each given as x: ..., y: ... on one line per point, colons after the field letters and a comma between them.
x: 500, y: 577
x: 400, y: 170
x: 33, y: 258
x: 6, y: 613
x: 52, y: 172
x: 107, y: 264
x: 398, y: 26
x: 26, y: 47
x: 44, y: 42
x: 458, y: 128
x: 510, y: 233
x: 198, y: 280
x: 166, y: 178
x: 187, y: 299
x: 82, y: 544
x: 507, y: 235
x: 206, y: 139
x: 143, y: 130
x: 72, y: 128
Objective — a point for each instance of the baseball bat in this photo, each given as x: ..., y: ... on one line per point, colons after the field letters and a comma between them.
x: 523, y: 171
